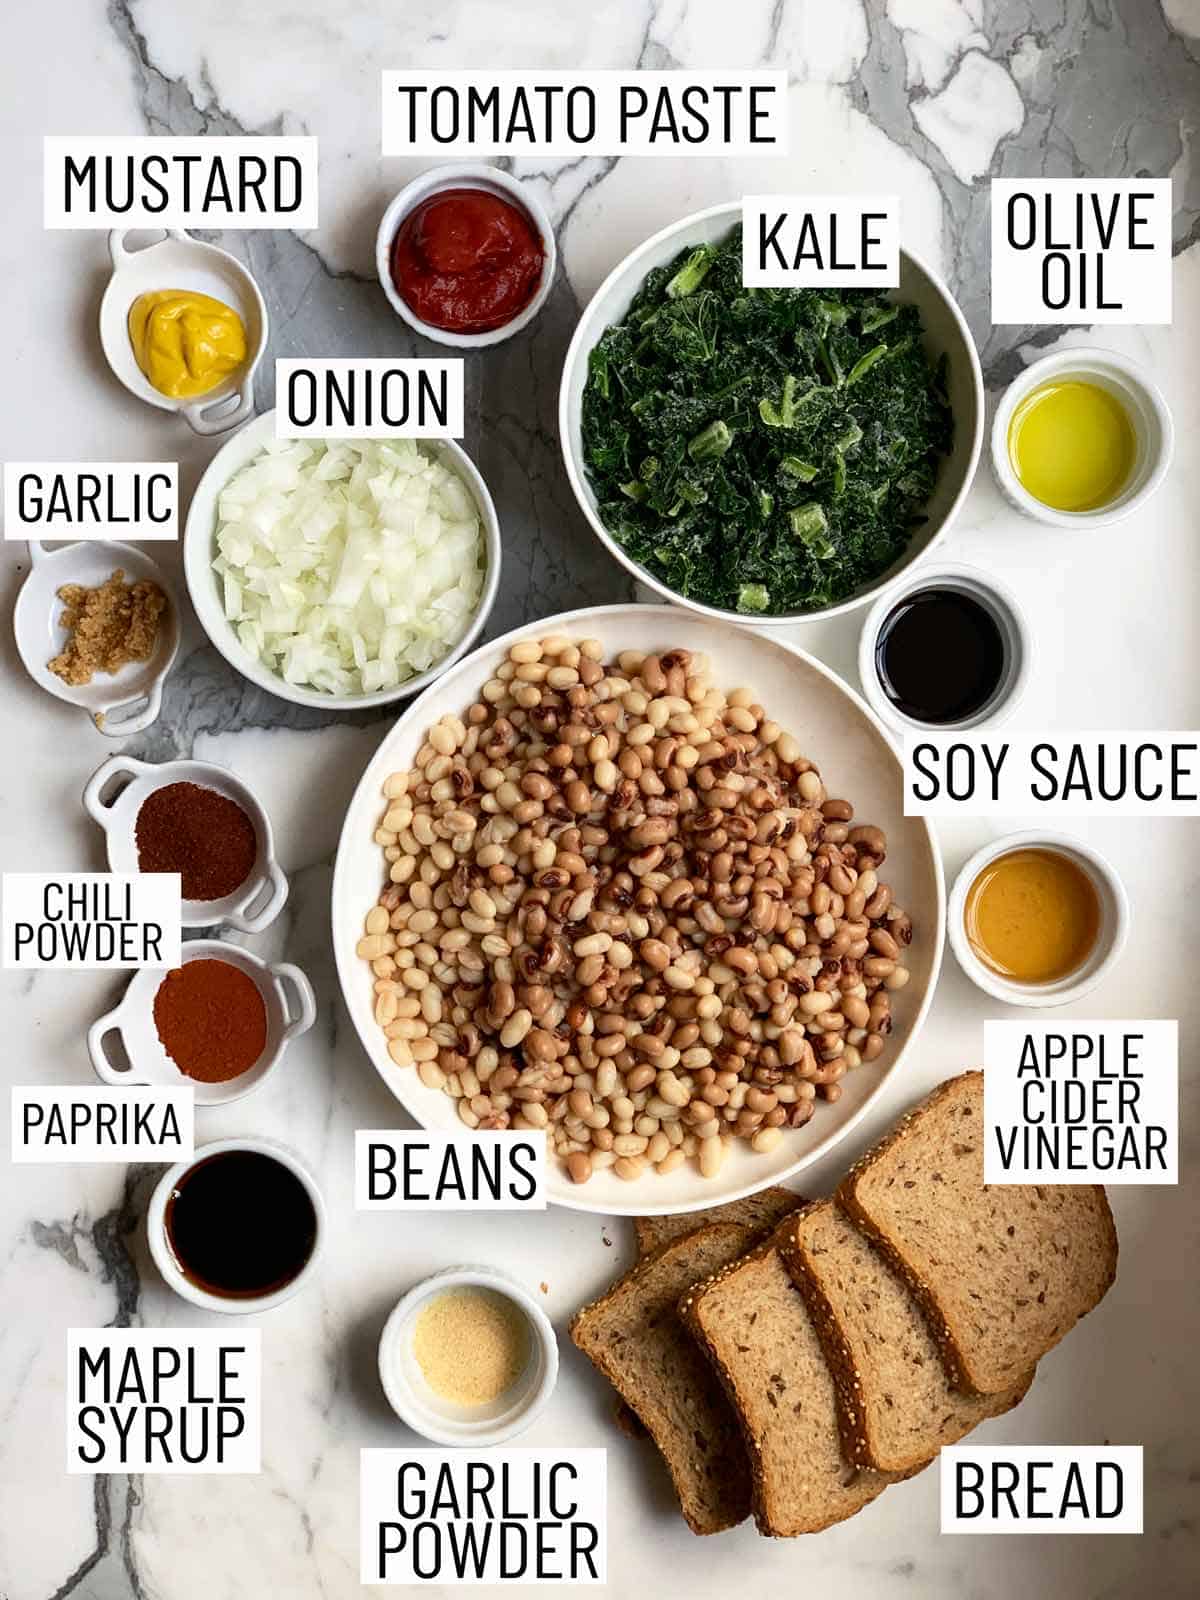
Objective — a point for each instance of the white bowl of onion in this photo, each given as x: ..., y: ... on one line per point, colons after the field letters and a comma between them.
x: 341, y: 573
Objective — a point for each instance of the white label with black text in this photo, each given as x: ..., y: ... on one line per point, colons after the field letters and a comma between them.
x: 805, y: 241
x: 486, y: 1171
x: 563, y: 113
x: 215, y: 182
x: 1051, y: 1488
x: 138, y: 1122
x: 89, y: 920
x: 1094, y: 250
x: 510, y: 1516
x: 91, y: 500
x: 148, y: 1400
x: 1081, y: 1102
x: 378, y: 398
x: 1060, y: 774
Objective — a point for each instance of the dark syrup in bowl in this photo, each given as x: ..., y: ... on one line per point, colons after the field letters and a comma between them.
x: 240, y: 1224
x: 940, y: 656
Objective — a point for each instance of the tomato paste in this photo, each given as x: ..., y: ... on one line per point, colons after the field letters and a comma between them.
x: 467, y: 261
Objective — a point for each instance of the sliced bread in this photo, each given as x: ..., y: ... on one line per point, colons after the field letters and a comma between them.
x: 756, y: 1327
x: 896, y: 1408
x: 1002, y: 1271
x: 634, y: 1335
x: 759, y: 1212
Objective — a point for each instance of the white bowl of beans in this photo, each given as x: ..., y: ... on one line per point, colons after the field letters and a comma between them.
x: 584, y: 887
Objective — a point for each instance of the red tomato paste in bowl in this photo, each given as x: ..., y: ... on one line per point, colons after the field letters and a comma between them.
x: 467, y: 260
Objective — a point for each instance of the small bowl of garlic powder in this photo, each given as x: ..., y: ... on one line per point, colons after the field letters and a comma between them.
x: 468, y: 1357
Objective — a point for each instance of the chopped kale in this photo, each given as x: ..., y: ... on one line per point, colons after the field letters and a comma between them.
x: 762, y: 450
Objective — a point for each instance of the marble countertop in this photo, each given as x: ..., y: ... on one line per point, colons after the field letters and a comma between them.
x: 925, y: 98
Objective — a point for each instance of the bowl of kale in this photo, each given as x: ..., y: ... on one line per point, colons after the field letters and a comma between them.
x: 766, y: 454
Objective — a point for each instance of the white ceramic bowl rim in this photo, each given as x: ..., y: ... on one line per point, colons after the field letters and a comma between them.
x: 465, y: 175
x: 1114, y: 927
x: 1000, y: 603
x: 202, y: 583
x: 1148, y: 413
x: 160, y: 1249
x: 411, y: 1407
x: 577, y: 476
x: 591, y: 621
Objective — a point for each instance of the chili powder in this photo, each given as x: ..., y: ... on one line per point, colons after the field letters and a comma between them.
x: 212, y: 1020
x: 204, y: 836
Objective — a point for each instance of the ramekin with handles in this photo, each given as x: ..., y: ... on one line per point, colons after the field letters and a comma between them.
x: 177, y: 261
x: 164, y: 1257
x: 287, y: 995
x: 116, y: 792
x: 118, y: 703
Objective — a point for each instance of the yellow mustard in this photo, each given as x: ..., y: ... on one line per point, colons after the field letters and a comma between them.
x: 185, y: 342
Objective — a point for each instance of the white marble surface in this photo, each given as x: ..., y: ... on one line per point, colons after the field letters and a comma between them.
x: 924, y: 97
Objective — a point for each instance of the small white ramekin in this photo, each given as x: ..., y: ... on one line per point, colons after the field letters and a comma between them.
x: 1000, y: 603
x: 1110, y: 941
x: 1148, y: 413
x: 160, y: 1249
x: 442, y: 1421
x: 464, y: 175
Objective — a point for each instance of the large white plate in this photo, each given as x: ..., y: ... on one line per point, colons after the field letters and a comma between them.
x: 836, y: 731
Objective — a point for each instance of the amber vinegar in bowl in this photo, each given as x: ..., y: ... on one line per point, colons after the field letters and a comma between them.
x: 1038, y: 919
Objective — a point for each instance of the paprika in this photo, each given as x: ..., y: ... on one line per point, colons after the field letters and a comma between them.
x: 204, y: 836
x: 211, y: 1019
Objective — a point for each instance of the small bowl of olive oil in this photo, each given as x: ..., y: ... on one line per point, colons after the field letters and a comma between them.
x: 1081, y: 439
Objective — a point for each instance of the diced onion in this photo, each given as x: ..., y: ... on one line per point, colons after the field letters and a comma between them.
x: 348, y: 566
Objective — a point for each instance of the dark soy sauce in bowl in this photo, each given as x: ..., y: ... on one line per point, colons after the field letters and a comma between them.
x: 240, y: 1224
x: 940, y: 656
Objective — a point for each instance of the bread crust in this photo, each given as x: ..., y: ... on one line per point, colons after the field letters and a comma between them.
x: 760, y: 1212
x: 671, y: 1447
x: 860, y: 1442
x: 963, y: 1372
x: 769, y: 1518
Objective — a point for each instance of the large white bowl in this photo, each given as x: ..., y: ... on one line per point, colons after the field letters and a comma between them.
x: 204, y: 586
x: 946, y: 332
x: 836, y: 731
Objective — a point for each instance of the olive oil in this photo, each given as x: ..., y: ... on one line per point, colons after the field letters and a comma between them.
x: 1072, y: 445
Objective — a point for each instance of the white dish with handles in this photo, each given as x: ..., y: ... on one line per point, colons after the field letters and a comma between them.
x: 946, y: 332
x: 117, y: 703
x: 177, y: 261
x: 205, y: 589
x: 836, y: 731
x: 115, y: 794
x: 287, y: 996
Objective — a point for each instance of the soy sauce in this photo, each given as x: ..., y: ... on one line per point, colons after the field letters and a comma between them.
x: 940, y: 656
x: 240, y: 1224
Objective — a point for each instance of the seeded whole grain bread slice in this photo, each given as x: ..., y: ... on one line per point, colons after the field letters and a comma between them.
x: 634, y: 1335
x: 757, y: 1329
x: 759, y: 1212
x: 1002, y: 1271
x: 896, y: 1408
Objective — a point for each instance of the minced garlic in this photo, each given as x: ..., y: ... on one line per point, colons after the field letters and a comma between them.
x: 471, y: 1345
